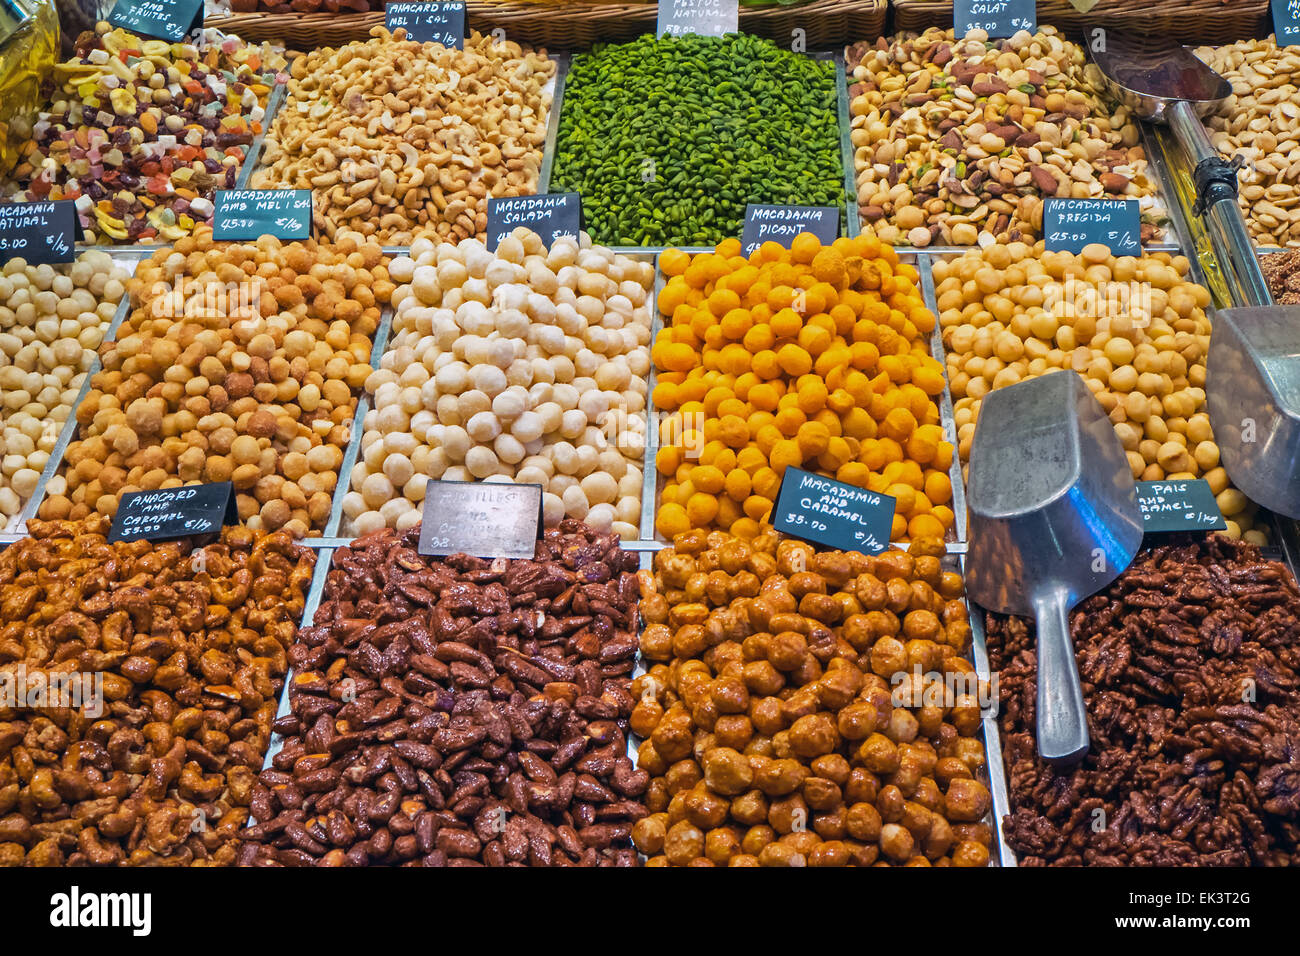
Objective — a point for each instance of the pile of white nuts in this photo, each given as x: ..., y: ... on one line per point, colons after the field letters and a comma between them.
x: 52, y: 319
x: 522, y: 365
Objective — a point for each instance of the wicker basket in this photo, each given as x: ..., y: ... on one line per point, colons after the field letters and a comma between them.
x: 1191, y: 21
x: 826, y: 23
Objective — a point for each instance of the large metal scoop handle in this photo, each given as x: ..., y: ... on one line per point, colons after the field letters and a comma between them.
x: 1061, y: 715
x: 1216, y: 199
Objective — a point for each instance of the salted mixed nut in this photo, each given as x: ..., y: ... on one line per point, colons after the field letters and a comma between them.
x: 958, y: 142
x: 400, y: 139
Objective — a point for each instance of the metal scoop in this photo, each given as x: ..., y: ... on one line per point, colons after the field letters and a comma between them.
x: 1164, y: 82
x: 1252, y: 386
x: 1053, y: 518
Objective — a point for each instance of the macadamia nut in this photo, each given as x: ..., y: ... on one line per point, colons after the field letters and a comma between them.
x: 507, y: 397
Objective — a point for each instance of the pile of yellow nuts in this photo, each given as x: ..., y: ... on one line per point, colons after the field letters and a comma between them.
x: 52, y: 319
x: 239, y: 362
x: 520, y: 365
x: 808, y: 708
x: 815, y: 357
x: 1134, y: 327
x: 400, y: 139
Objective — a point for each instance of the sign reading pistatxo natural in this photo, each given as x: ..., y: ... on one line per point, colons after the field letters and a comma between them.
x: 1286, y: 22
x: 780, y: 224
x: 170, y: 20
x: 1071, y: 224
x: 550, y: 215
x: 174, y: 512
x: 38, y: 231
x: 429, y: 22
x: 831, y: 513
x: 997, y: 18
x: 1183, y: 505
x: 246, y: 215
x: 708, y: 18
x: 483, y: 519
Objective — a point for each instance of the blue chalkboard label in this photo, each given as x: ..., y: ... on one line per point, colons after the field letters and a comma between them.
x: 781, y: 224
x: 429, y: 22
x: 174, y: 512
x: 1183, y: 505
x: 707, y: 18
x: 997, y: 18
x: 550, y: 215
x: 1286, y: 22
x: 831, y: 513
x: 38, y: 231
x: 1071, y: 224
x: 170, y: 20
x: 245, y: 215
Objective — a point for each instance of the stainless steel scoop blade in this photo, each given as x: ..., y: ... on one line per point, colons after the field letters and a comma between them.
x: 1252, y: 388
x: 1164, y: 82
x: 1053, y: 518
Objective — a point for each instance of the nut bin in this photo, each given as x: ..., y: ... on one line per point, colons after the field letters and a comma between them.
x: 958, y: 142
x: 524, y: 365
x: 815, y: 357
x: 190, y: 645
x: 239, y: 362
x: 400, y: 139
x: 803, y: 708
x: 52, y: 319
x: 459, y: 711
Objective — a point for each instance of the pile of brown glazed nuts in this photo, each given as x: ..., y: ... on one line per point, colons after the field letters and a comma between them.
x: 191, y: 645
x: 1192, y: 680
x: 793, y: 708
x: 459, y: 711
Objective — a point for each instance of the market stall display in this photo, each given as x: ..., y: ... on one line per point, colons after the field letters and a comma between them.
x: 815, y: 357
x: 1188, y: 668
x: 1280, y: 270
x: 189, y: 648
x: 793, y: 712
x: 667, y: 139
x: 140, y: 132
x: 958, y: 142
x: 52, y: 319
x: 1134, y: 327
x: 400, y: 140
x: 526, y: 364
x: 1260, y: 122
x: 500, y: 692
x: 238, y: 362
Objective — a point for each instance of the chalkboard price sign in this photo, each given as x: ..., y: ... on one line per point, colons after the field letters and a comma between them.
x: 174, y: 512
x: 1185, y: 505
x: 550, y: 215
x: 831, y: 513
x: 1071, y: 224
x: 1286, y: 22
x: 39, y: 231
x: 483, y: 519
x: 707, y: 18
x: 997, y: 18
x: 429, y: 22
x: 170, y: 20
x: 781, y: 224
x: 246, y: 215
